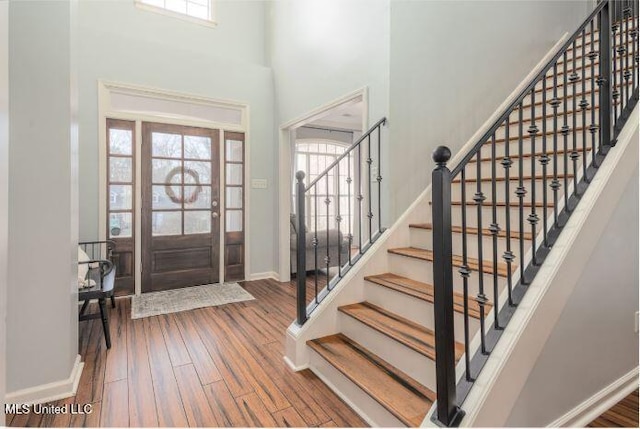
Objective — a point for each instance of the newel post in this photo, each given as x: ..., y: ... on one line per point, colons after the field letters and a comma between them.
x: 301, y: 263
x: 448, y: 412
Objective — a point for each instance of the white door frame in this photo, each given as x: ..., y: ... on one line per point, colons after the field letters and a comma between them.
x: 4, y: 194
x: 285, y: 179
x: 105, y: 111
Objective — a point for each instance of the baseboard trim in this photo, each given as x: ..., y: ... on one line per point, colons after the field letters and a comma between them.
x: 50, y: 391
x: 266, y: 275
x: 291, y: 365
x: 597, y: 404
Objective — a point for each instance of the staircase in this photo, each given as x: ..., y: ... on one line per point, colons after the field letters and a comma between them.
x: 383, y: 359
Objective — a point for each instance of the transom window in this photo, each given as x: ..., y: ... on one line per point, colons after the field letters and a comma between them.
x: 199, y: 9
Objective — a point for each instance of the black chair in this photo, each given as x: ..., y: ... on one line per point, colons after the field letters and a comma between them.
x: 101, y: 280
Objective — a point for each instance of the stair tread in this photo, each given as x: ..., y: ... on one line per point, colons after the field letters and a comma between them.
x: 424, y: 291
x: 411, y: 334
x: 400, y: 394
x: 474, y: 231
x: 513, y: 177
x: 472, y: 263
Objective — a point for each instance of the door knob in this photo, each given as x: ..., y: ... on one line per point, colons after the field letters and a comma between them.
x: 214, y: 204
x: 214, y: 215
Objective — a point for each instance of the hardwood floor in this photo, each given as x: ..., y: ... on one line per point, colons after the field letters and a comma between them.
x: 217, y: 366
x: 622, y: 415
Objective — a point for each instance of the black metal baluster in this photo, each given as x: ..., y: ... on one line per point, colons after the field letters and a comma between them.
x: 544, y: 160
x: 369, y: 162
x: 621, y: 54
x: 615, y: 94
x: 360, y: 198
x: 465, y: 272
x: 338, y: 219
x: 573, y: 78
x: 301, y: 274
x: 627, y: 72
x: 584, y: 104
x: 593, y: 128
x: 482, y: 300
x: 494, y: 228
x: 508, y: 255
x: 533, y: 217
x: 327, y: 202
x: 350, y: 221
x: 379, y: 179
x: 314, y: 242
x: 604, y: 78
x: 634, y: 35
x: 565, y: 132
x: 555, y: 183
x: 521, y: 192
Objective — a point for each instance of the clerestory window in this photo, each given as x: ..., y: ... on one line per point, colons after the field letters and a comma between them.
x: 201, y: 10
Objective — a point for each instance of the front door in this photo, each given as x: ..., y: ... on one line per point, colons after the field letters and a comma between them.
x: 180, y: 206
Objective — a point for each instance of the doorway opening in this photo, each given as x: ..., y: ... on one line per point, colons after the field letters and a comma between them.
x: 311, y: 144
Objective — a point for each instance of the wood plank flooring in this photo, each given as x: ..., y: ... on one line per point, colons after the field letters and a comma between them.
x: 622, y: 415
x: 216, y: 366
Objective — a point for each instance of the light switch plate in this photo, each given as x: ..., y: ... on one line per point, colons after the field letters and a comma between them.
x: 259, y: 183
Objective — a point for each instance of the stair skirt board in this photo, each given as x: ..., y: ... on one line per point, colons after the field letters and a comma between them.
x: 598, y: 403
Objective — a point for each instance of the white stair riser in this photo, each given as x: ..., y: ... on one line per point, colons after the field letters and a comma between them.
x: 420, y: 270
x: 526, y: 147
x: 415, y: 365
x: 514, y: 170
x: 414, y: 309
x: 487, y: 219
x: 422, y: 238
x: 514, y: 128
x: 375, y: 413
x: 486, y: 189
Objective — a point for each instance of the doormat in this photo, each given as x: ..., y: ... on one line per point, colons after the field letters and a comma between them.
x: 188, y: 298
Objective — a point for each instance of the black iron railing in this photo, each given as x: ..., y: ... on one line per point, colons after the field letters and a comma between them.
x: 338, y: 217
x: 554, y: 135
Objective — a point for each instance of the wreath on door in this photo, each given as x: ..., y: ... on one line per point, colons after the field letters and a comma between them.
x: 168, y: 188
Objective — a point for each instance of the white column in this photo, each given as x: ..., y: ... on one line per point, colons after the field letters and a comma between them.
x: 42, y: 319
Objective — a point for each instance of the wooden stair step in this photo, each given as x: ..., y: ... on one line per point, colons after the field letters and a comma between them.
x: 424, y: 291
x: 511, y: 178
x: 512, y: 204
x: 474, y: 231
x: 404, y: 331
x: 401, y: 395
x: 472, y: 263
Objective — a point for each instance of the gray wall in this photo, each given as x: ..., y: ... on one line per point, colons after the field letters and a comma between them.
x: 593, y: 342
x: 122, y: 43
x: 452, y: 64
x: 4, y: 188
x: 42, y: 318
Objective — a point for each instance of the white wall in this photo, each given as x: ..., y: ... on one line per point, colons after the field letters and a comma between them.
x: 321, y: 50
x: 4, y: 188
x: 452, y: 64
x: 121, y: 43
x: 42, y: 319
x: 593, y: 343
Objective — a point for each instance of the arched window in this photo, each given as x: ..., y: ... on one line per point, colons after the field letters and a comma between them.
x: 313, y: 156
